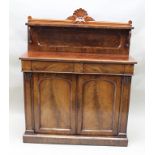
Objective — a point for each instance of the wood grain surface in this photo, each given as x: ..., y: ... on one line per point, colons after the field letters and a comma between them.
x: 77, y: 78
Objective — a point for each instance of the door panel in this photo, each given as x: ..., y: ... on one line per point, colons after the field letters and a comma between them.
x: 98, y: 104
x: 54, y: 103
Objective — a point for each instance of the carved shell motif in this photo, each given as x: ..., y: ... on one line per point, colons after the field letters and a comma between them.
x: 80, y: 16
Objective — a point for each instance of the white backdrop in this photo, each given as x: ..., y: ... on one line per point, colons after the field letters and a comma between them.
x: 103, y: 10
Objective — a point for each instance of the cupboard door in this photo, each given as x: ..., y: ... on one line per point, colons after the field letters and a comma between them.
x: 54, y: 103
x: 98, y: 104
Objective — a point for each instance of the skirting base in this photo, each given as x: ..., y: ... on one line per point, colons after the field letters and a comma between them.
x: 71, y: 139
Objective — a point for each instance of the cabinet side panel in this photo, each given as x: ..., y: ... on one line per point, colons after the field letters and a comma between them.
x: 28, y: 102
x: 124, y: 108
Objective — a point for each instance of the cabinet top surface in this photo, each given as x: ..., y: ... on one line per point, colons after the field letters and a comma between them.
x: 79, y: 19
x: 77, y: 57
x: 69, y: 23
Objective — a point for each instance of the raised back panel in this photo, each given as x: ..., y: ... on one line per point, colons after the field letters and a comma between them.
x: 89, y: 40
x: 79, y: 33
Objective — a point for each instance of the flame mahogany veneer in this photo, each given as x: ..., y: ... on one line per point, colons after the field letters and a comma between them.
x: 77, y: 77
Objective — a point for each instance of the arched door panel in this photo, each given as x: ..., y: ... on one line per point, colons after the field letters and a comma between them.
x: 98, y: 104
x: 54, y: 103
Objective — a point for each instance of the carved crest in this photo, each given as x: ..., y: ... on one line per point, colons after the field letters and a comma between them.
x: 80, y: 16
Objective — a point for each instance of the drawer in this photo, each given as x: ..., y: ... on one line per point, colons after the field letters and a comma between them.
x: 103, y: 68
x: 77, y: 68
x: 26, y: 65
x: 52, y: 66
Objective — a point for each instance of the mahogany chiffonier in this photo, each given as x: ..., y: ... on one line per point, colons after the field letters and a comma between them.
x: 77, y: 77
